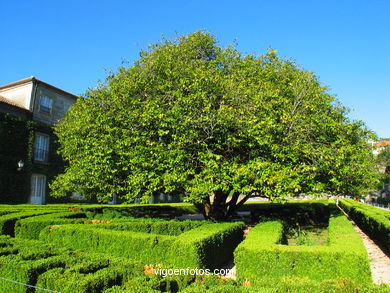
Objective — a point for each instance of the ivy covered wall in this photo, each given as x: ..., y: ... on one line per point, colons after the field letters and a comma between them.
x: 17, y: 138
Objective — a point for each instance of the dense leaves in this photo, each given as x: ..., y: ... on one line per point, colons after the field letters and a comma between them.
x: 384, y: 157
x: 219, y: 127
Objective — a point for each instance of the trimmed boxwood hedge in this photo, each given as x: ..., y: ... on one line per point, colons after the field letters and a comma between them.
x: 7, y: 222
x: 162, y: 227
x: 40, y: 264
x: 262, y: 260
x: 374, y: 221
x: 30, y: 227
x: 90, y: 274
x: 145, y: 247
x: 207, y: 246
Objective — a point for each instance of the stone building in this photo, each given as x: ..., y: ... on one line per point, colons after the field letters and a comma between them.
x: 28, y: 160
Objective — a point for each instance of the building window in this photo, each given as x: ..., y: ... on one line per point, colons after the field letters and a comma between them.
x: 41, y: 148
x: 46, y: 104
x: 38, y: 188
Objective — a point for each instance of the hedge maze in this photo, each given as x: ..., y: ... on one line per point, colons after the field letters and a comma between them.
x: 68, y: 248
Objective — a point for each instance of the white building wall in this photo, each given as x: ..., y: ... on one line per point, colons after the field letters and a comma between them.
x: 21, y: 94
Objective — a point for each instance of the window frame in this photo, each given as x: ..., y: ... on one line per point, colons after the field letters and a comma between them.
x: 50, y: 107
x: 37, y: 149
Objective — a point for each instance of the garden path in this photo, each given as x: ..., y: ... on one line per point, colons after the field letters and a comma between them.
x: 230, y: 265
x: 379, y: 261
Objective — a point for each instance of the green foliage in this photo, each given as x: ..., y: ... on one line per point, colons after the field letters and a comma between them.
x: 374, y: 221
x: 145, y: 247
x: 293, y: 213
x: 384, y: 156
x: 262, y: 260
x: 37, y: 263
x: 191, y: 117
x: 14, y: 134
x: 207, y: 246
x: 30, y: 227
x: 173, y: 228
x: 141, y: 210
x: 7, y: 222
x: 17, y: 141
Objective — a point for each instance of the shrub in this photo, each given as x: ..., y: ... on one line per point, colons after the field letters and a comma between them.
x: 37, y: 263
x: 7, y: 222
x: 374, y: 221
x: 173, y: 228
x: 148, y: 248
x: 207, y: 246
x: 24, y: 271
x: 30, y: 228
x: 261, y: 258
x: 86, y: 276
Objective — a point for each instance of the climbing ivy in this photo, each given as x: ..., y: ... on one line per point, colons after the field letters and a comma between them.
x: 17, y: 138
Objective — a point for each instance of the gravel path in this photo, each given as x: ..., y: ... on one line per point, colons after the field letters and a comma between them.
x: 379, y: 261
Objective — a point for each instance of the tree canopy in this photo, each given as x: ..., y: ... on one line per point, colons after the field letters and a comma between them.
x: 384, y: 156
x: 193, y: 118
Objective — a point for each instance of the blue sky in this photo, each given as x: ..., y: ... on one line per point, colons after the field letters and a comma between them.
x: 71, y: 43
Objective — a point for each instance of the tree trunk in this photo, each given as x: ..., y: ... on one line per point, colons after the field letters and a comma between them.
x: 219, y: 209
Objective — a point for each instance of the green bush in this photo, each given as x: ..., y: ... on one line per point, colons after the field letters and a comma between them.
x: 30, y: 228
x: 7, y: 222
x: 24, y: 271
x: 173, y: 228
x: 261, y: 259
x: 168, y: 211
x: 148, y: 248
x: 37, y: 263
x: 374, y: 221
x: 89, y: 275
x: 291, y: 212
x: 207, y: 246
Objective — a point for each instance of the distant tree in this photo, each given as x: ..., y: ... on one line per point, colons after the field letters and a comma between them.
x: 219, y: 127
x: 384, y: 157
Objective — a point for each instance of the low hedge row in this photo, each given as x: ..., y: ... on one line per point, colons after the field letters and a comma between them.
x: 87, y: 276
x: 7, y: 221
x: 262, y: 260
x: 29, y: 228
x: 207, y: 246
x: 145, y: 247
x: 292, y: 212
x: 173, y: 228
x: 39, y: 264
x: 374, y: 221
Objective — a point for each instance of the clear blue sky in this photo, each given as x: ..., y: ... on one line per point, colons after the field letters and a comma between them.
x: 70, y: 43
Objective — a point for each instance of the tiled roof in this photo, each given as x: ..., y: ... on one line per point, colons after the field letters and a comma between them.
x: 12, y: 103
x: 382, y: 143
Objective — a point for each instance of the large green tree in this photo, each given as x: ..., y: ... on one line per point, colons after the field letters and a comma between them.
x: 212, y: 124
